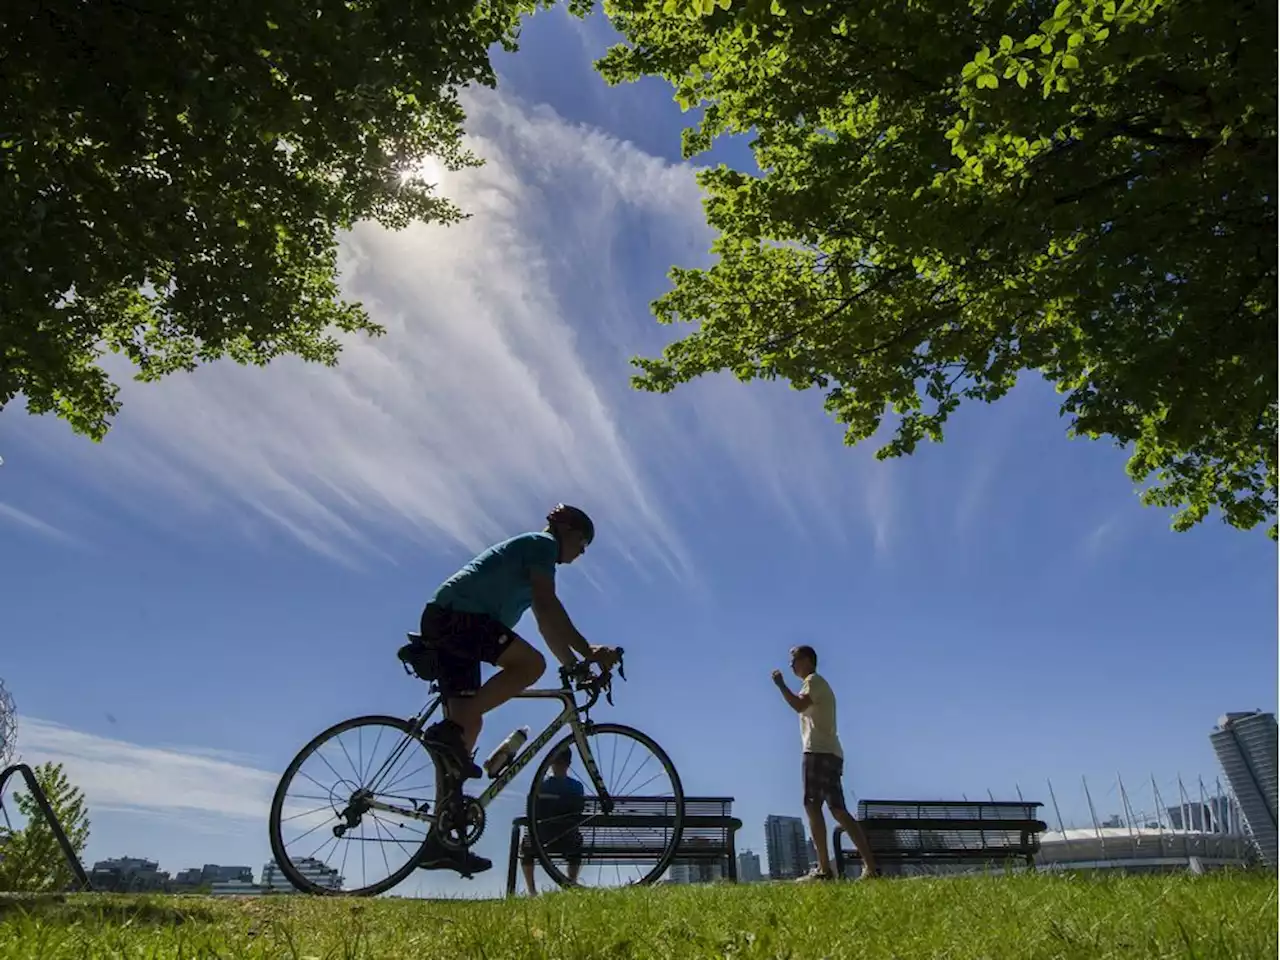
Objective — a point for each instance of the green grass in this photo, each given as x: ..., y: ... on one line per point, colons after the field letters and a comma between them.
x: 1091, y: 918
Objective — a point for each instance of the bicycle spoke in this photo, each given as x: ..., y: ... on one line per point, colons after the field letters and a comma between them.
x: 400, y: 761
x: 632, y: 778
x: 305, y: 814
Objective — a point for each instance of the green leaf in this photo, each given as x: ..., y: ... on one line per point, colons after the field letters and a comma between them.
x: 1006, y: 43
x: 33, y: 861
x: 1074, y: 40
x: 1069, y: 62
x: 1022, y: 79
x: 215, y: 186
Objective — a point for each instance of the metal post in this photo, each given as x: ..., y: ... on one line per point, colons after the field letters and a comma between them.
x: 1124, y: 799
x: 1061, y: 829
x: 1093, y: 815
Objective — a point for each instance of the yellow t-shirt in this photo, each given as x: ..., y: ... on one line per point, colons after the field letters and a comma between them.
x: 818, y: 720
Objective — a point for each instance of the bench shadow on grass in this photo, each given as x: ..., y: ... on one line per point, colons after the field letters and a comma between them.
x: 108, y: 909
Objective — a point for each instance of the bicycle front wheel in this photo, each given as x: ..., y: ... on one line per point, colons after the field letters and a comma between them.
x: 614, y: 819
x: 331, y: 830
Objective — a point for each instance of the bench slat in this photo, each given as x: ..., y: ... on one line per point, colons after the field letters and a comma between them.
x: 946, y: 825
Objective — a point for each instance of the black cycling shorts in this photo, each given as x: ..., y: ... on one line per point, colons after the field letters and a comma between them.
x: 463, y: 641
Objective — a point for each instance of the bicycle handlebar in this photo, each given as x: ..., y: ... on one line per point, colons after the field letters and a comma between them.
x: 581, y: 677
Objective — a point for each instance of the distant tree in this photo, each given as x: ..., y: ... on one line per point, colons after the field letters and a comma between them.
x: 173, y: 175
x: 955, y: 192
x: 30, y: 858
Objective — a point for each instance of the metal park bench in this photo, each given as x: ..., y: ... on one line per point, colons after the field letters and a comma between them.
x: 636, y: 831
x: 934, y: 833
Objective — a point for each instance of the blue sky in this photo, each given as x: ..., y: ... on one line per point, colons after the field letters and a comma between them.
x: 232, y: 570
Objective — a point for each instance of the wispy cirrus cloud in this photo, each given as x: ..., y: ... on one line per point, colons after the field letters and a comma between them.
x: 500, y: 387
x: 122, y: 776
x: 12, y: 515
x: 1102, y: 536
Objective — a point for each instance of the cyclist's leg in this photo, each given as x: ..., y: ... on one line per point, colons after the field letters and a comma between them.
x: 464, y: 640
x: 452, y: 636
x: 459, y: 678
x: 519, y: 667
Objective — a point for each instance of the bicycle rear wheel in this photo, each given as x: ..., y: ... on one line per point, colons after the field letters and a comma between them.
x: 623, y: 832
x: 322, y: 823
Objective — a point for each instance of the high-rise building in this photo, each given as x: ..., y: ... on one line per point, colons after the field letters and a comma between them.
x: 785, y: 845
x: 748, y: 867
x: 1246, y: 747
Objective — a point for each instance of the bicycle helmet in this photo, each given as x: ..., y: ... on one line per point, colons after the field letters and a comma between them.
x: 573, y: 518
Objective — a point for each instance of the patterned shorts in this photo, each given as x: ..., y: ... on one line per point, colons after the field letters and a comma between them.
x: 822, y: 783
x: 567, y: 844
x: 463, y: 641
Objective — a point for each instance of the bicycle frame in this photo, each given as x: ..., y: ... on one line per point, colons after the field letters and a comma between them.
x: 568, y: 716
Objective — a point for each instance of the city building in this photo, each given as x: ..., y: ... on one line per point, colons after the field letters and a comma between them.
x: 318, y: 872
x: 1246, y: 747
x: 1141, y: 850
x: 749, y: 867
x: 1215, y: 815
x: 704, y: 871
x: 786, y: 847
x: 212, y: 873
x: 203, y: 878
x: 128, y: 875
x: 188, y: 880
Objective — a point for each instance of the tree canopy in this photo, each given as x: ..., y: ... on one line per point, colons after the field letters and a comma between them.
x: 953, y: 192
x: 31, y: 861
x: 173, y: 175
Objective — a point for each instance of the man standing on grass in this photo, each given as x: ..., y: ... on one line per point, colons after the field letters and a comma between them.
x: 823, y: 762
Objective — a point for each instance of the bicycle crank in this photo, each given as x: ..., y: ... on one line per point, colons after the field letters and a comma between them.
x: 461, y: 822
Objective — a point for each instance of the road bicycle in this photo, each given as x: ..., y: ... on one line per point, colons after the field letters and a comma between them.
x: 385, y: 803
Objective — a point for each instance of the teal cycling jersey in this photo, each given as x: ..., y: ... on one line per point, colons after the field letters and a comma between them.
x: 497, y: 583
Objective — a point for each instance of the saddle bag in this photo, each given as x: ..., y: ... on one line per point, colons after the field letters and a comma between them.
x: 420, y: 659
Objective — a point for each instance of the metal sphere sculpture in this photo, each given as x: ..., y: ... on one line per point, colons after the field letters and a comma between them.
x: 8, y: 726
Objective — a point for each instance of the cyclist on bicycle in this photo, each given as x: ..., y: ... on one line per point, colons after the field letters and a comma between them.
x: 471, y: 618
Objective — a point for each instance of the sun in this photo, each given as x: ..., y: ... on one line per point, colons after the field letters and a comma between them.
x: 428, y: 169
